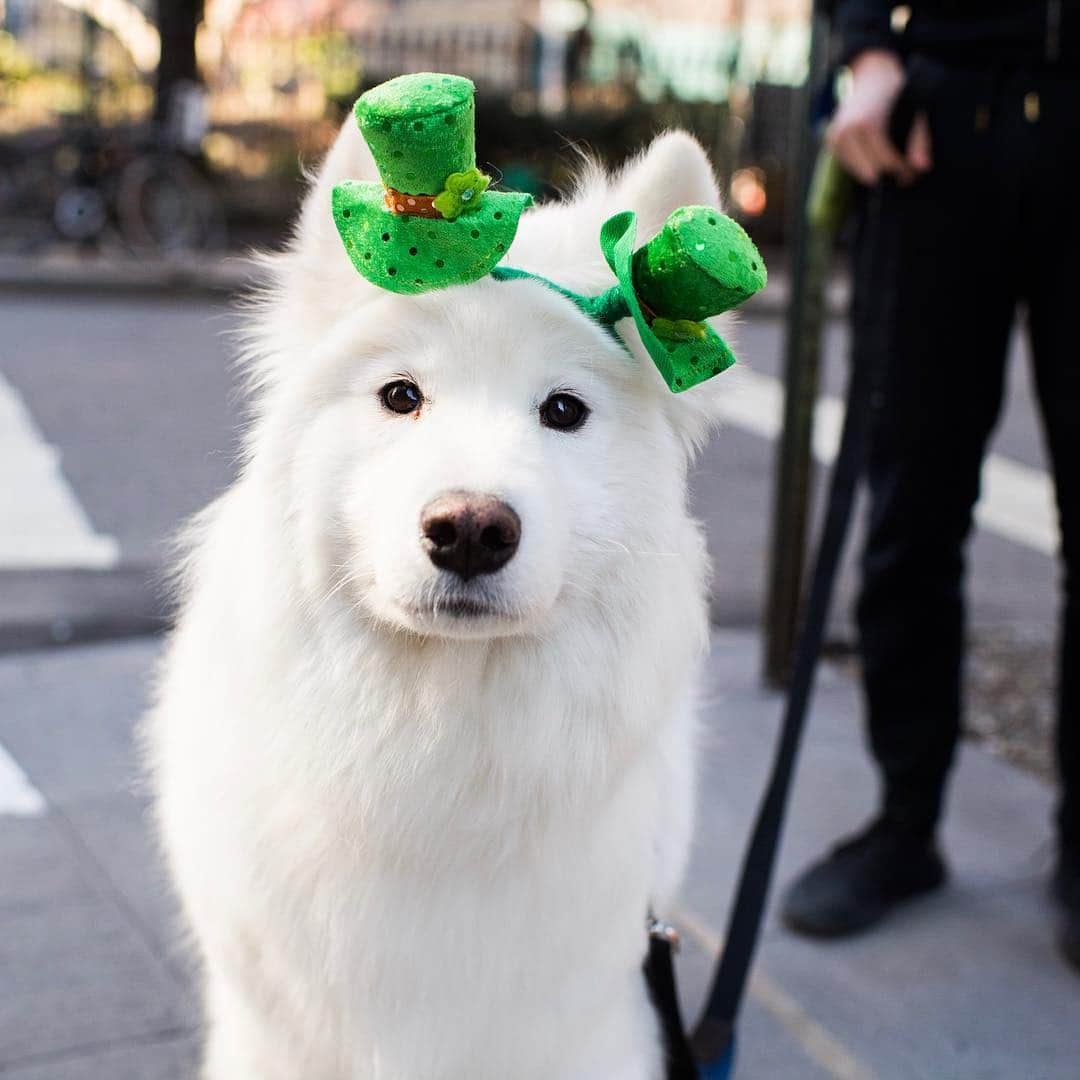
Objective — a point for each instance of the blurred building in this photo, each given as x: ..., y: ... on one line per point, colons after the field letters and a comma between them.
x: 279, y: 74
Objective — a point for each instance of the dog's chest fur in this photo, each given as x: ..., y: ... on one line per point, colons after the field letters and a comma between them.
x: 443, y: 846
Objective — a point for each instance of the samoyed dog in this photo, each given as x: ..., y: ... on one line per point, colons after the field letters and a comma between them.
x: 417, y: 803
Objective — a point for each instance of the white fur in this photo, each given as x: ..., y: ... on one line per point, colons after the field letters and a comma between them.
x: 411, y: 846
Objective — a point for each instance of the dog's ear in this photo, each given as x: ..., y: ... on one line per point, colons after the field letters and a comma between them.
x: 675, y: 171
x: 672, y: 171
x: 313, y: 281
x: 328, y: 276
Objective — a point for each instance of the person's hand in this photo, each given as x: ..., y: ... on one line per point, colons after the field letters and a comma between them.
x: 859, y: 132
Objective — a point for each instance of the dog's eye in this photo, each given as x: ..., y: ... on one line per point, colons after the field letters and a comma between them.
x: 401, y: 396
x: 563, y: 412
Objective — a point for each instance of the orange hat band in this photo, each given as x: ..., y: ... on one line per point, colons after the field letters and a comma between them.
x: 398, y: 202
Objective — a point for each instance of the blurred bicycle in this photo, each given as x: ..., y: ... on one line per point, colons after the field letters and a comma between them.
x: 147, y: 191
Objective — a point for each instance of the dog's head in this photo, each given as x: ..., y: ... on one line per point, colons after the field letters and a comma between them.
x: 474, y: 461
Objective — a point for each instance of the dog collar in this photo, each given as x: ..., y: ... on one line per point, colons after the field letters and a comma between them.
x: 433, y: 222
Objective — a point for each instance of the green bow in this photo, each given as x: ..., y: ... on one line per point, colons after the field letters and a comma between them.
x: 700, y: 264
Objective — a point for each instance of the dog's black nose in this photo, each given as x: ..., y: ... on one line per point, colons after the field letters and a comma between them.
x: 470, y: 534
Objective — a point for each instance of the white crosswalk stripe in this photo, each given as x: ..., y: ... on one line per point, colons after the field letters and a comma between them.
x: 42, y: 524
x: 1017, y: 501
x: 18, y: 797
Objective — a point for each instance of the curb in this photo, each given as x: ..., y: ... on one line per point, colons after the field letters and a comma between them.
x: 213, y: 276
x: 48, y: 608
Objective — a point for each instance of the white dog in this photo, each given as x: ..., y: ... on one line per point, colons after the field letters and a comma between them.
x: 417, y: 803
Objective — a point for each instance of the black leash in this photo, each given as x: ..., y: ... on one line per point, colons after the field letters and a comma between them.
x: 713, y: 1036
x: 708, y: 1053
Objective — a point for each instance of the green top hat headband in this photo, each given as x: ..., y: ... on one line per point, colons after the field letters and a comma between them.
x: 433, y: 223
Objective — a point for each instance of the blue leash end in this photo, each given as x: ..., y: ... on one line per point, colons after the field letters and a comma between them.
x: 719, y: 1068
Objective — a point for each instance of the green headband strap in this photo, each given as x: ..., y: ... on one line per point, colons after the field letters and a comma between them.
x: 607, y: 308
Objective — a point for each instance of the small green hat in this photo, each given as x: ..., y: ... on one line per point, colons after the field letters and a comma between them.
x: 700, y: 264
x: 431, y: 222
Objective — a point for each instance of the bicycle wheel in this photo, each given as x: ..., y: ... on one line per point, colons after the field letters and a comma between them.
x: 165, y: 205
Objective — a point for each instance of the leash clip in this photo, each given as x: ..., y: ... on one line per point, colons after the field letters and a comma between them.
x: 663, y: 931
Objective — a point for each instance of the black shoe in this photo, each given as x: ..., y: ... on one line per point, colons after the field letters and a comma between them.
x: 1067, y: 890
x: 862, y: 880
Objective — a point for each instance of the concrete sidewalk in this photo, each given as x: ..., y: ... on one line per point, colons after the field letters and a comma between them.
x: 966, y: 985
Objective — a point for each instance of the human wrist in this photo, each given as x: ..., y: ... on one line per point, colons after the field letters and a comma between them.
x: 875, y: 60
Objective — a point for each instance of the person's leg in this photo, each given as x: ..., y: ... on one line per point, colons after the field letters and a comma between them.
x: 934, y: 302
x: 1057, y: 371
x: 1054, y: 235
x: 1057, y: 375
x: 942, y: 370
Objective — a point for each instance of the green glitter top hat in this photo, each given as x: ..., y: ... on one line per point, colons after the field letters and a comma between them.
x: 432, y: 222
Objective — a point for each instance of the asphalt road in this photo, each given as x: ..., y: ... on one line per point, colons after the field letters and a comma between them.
x: 138, y: 396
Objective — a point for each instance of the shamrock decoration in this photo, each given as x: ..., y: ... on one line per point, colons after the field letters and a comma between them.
x: 461, y: 192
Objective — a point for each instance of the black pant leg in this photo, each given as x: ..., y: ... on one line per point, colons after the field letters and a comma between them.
x: 934, y: 303
x: 1058, y: 378
x: 1052, y: 218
